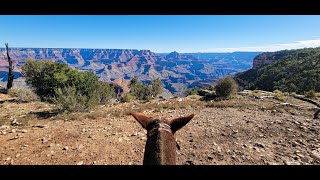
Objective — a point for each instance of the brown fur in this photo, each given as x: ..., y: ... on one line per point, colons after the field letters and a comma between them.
x: 160, y: 147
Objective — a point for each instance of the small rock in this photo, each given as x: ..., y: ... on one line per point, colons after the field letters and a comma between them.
x: 259, y: 145
x: 80, y: 163
x: 24, y: 131
x: 80, y: 146
x: 233, y: 157
x: 25, y: 145
x: 51, y: 145
x: 65, y: 148
x: 254, y: 148
x: 297, y: 151
x: 219, y: 149
x: 113, y: 133
x: 8, y: 159
x: 44, y: 140
x: 13, y: 130
x: 15, y: 123
x: 189, y: 163
x: 40, y: 126
x: 14, y: 138
x: 191, y: 140
x: 315, y: 155
x: 83, y: 130
x: 120, y: 139
x: 18, y: 155
x: 244, y: 145
x: 130, y: 163
x: 143, y: 138
x: 272, y: 163
x: 210, y: 158
x: 294, y: 143
x: 134, y: 134
x: 4, y: 133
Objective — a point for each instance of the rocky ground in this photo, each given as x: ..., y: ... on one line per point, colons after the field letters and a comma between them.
x: 244, y: 130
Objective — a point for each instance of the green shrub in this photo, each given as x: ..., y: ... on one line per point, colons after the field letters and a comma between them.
x: 127, y: 98
x: 192, y: 91
x: 279, y: 96
x: 23, y: 94
x: 53, y: 81
x: 143, y: 91
x: 156, y: 87
x: 277, y: 92
x: 226, y: 88
x: 104, y: 92
x: 310, y: 94
x: 286, y: 93
x: 69, y: 99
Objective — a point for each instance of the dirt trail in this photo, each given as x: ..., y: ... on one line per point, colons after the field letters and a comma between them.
x: 216, y: 135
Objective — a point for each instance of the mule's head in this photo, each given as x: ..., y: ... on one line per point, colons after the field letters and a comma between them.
x: 161, y: 143
x: 172, y: 125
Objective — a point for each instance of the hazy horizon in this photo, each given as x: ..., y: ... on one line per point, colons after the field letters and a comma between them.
x: 123, y: 49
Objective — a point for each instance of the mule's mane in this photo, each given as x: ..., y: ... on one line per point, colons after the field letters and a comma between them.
x: 157, y: 125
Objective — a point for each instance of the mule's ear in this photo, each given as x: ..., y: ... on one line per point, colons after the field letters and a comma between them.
x: 142, y: 119
x: 178, y: 123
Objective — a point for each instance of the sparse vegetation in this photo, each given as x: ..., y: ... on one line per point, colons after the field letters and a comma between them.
x: 295, y: 71
x: 23, y: 94
x: 310, y: 94
x: 226, y: 88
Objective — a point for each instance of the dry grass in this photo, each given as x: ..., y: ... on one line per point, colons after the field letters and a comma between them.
x: 24, y: 112
x: 23, y: 94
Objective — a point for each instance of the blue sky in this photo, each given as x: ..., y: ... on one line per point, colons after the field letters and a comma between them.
x: 163, y: 33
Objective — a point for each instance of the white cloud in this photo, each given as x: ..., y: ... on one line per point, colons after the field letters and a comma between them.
x: 270, y: 48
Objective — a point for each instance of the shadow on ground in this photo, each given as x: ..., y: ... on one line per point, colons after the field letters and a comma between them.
x: 47, y: 114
